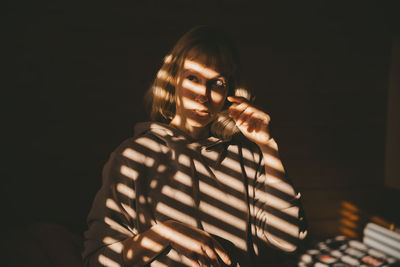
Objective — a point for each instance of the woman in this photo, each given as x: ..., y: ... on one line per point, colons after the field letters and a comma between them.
x: 201, y: 185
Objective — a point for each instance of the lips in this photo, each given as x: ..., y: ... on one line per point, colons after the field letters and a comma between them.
x: 201, y: 112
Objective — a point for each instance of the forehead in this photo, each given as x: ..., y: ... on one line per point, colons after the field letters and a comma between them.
x: 197, y: 67
x: 217, y: 60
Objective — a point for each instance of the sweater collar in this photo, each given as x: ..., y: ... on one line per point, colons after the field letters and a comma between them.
x: 165, y: 131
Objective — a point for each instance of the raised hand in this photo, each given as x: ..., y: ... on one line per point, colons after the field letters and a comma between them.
x: 197, y: 245
x: 251, y: 121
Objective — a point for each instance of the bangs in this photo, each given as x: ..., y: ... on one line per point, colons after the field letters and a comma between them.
x: 215, y: 57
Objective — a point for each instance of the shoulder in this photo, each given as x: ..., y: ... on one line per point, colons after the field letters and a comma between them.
x: 140, y: 148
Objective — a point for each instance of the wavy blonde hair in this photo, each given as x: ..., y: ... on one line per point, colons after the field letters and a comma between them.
x: 211, y: 47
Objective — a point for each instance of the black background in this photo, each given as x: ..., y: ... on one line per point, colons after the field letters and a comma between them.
x: 75, y: 74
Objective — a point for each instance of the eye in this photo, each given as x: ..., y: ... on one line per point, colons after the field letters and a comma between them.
x: 192, y: 78
x: 218, y: 84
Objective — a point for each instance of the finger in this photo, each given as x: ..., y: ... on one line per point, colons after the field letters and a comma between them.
x: 212, y: 256
x: 221, y: 252
x: 259, y: 125
x: 233, y: 113
x: 253, y: 122
x: 236, y: 110
x: 239, y: 107
x: 264, y: 123
x: 194, y: 263
x: 265, y: 118
x: 260, y: 121
x: 244, y: 118
x: 236, y: 99
x: 204, y: 260
x: 193, y: 258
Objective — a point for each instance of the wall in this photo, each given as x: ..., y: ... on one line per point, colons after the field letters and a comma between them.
x: 78, y: 72
x: 392, y: 167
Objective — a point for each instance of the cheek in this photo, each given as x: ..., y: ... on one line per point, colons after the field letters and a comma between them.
x: 187, y: 94
x: 187, y: 100
x: 185, y: 91
x: 218, y: 98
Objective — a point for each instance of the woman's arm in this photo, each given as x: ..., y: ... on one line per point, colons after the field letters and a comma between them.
x: 144, y: 247
x: 278, y: 205
x: 282, y: 202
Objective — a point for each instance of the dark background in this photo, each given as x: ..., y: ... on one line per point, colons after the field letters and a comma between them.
x: 77, y: 73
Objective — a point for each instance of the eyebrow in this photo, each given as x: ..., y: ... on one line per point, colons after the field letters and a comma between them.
x: 191, y: 71
x: 201, y: 69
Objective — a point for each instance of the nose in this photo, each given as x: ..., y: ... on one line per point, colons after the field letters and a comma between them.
x: 201, y: 99
x: 202, y: 95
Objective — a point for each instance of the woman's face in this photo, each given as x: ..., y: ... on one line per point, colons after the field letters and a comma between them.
x: 200, y: 94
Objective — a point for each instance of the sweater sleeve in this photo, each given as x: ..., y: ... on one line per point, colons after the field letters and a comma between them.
x: 112, y: 218
x: 276, y: 210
